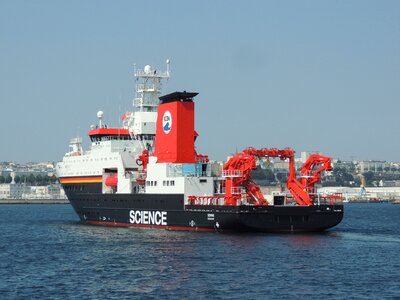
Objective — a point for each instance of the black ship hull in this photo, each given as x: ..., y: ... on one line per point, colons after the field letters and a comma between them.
x: 168, y: 211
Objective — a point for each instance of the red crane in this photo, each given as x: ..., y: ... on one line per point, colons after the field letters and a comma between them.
x: 309, y: 176
x: 239, y: 185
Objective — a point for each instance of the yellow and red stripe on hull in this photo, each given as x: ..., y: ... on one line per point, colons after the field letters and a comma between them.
x: 91, y: 179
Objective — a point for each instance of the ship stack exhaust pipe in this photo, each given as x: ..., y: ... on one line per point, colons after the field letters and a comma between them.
x: 175, y: 129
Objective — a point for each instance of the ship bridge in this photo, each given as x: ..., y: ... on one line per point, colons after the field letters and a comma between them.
x: 108, y: 134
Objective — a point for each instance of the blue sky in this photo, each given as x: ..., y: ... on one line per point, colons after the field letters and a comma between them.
x: 312, y: 75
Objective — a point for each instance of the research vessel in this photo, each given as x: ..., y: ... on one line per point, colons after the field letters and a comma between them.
x: 148, y: 173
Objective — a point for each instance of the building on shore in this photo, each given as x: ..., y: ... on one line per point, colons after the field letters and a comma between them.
x: 373, y: 166
x: 364, y: 194
x: 23, y: 191
x: 13, y: 190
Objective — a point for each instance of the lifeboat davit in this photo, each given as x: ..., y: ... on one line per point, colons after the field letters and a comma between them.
x: 112, y: 181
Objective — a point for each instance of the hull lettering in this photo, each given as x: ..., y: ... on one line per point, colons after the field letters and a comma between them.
x: 148, y: 217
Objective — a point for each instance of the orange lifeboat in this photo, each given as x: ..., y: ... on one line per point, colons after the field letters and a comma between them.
x: 112, y: 181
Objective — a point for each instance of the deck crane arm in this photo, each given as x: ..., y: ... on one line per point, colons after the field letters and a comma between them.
x: 309, y: 176
x: 237, y: 172
x: 295, y: 187
x: 244, y: 162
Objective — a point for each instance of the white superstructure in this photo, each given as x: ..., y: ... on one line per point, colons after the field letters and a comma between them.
x: 115, y: 149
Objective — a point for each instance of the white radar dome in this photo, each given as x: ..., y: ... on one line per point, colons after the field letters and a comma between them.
x: 147, y: 69
x: 100, y: 114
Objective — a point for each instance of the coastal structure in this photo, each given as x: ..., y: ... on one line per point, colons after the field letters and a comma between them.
x: 21, y: 169
x: 364, y: 194
x: 14, y: 191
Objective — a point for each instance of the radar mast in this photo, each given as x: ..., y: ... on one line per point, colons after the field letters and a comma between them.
x: 141, y: 123
x: 148, y: 87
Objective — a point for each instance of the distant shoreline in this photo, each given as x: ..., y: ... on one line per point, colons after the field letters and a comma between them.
x: 34, y: 201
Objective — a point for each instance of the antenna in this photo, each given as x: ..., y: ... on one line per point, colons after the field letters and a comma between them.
x: 100, y: 115
x: 167, y: 62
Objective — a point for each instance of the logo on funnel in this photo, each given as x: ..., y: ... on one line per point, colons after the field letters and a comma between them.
x: 167, y: 122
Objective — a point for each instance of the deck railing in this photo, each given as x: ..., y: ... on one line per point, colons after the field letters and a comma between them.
x: 318, y: 199
x: 231, y: 173
x: 206, y: 200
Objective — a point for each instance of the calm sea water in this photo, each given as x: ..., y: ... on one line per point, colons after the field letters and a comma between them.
x: 46, y: 254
